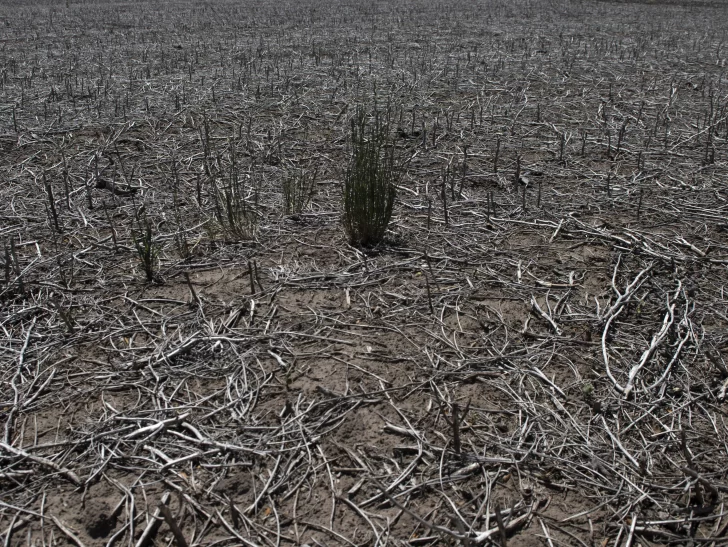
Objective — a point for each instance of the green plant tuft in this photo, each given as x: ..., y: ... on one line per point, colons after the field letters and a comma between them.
x: 147, y: 249
x: 299, y: 188
x: 235, y: 216
x: 369, y: 181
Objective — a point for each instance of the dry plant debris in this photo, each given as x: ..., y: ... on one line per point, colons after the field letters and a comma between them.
x: 535, y: 354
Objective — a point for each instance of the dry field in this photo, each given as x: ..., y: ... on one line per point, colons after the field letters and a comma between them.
x: 535, y: 355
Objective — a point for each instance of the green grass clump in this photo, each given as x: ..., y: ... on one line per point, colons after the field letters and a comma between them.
x: 299, y: 188
x: 235, y: 215
x: 146, y: 248
x: 370, y: 180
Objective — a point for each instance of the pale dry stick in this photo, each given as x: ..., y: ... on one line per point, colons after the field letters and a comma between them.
x: 253, y: 506
x: 473, y: 467
x: 629, y: 456
x: 628, y: 290
x: 19, y: 277
x: 182, y: 348
x: 70, y: 475
x: 193, y: 456
x: 556, y: 232
x: 723, y: 391
x: 334, y: 533
x: 234, y: 532
x: 130, y: 506
x: 418, y: 518
x: 412, y: 431
x: 696, y: 135
x: 41, y: 389
x: 157, y: 427
x: 460, y: 525
x: 675, y: 356
x: 689, y: 245
x: 11, y: 529
x: 66, y: 530
x: 167, y: 460
x: 332, y: 486
x: 353, y: 455
x: 458, y: 518
x: 550, y: 285
x: 546, y: 532
x: 512, y: 525
x: 173, y: 526
x: 193, y: 292
x: 366, y: 519
x: 279, y: 360
x: 614, y: 311
x: 21, y: 510
x: 182, y: 493
x: 632, y: 526
x: 278, y: 525
x: 486, y: 502
x: 13, y: 384
x: 709, y: 486
x: 605, y: 354
x: 295, y: 517
x: 656, y: 340
x: 574, y: 423
x: 91, y: 478
x: 402, y: 477
x: 153, y: 525
x: 545, y: 316
x: 116, y: 536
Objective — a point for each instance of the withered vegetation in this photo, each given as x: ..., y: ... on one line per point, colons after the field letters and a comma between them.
x: 533, y: 351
